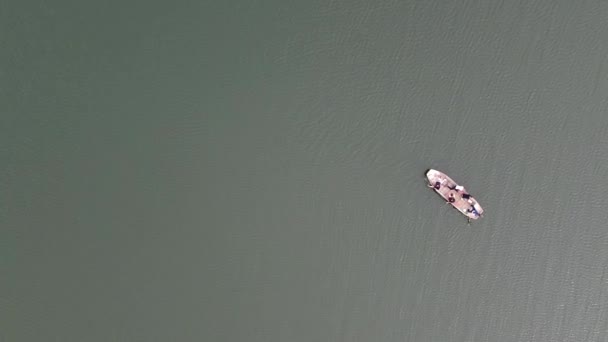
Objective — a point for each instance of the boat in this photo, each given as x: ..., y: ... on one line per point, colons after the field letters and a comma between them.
x: 454, y: 194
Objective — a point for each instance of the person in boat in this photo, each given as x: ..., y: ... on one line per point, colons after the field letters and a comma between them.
x: 451, y: 198
x: 466, y: 196
x: 456, y: 187
x: 437, y: 185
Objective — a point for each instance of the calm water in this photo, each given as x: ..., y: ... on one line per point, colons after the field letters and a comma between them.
x: 254, y: 171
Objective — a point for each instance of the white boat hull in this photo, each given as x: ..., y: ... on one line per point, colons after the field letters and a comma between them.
x: 448, y: 188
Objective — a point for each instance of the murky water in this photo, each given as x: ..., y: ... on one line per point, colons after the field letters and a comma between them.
x: 254, y: 171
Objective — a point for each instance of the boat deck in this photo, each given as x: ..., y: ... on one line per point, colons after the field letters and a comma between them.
x: 445, y: 191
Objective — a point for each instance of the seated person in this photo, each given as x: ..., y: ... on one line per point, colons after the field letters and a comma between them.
x: 466, y: 196
x: 437, y: 185
x: 456, y: 187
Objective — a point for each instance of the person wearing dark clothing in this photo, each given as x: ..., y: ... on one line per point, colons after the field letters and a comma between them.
x: 451, y: 198
x: 437, y: 185
x: 466, y: 196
